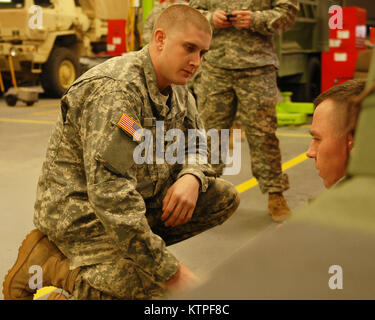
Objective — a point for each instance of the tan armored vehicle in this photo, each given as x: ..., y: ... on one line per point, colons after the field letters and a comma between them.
x: 46, y: 38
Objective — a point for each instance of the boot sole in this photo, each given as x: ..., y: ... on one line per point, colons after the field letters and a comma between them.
x: 27, y: 246
x: 280, y: 218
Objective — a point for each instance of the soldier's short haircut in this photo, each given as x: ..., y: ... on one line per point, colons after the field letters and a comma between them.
x: 355, y: 106
x: 346, y: 113
x: 177, y: 16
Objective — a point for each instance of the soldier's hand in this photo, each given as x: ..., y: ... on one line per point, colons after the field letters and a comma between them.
x: 242, y: 19
x: 182, y: 280
x: 219, y: 19
x: 180, y: 201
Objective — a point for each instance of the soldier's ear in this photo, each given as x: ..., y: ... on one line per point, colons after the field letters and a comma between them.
x: 159, y: 36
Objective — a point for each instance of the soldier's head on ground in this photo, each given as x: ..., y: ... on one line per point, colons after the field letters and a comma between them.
x: 333, y: 128
x: 181, y: 37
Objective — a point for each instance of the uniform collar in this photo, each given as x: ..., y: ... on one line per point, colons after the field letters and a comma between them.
x: 363, y: 160
x: 159, y: 100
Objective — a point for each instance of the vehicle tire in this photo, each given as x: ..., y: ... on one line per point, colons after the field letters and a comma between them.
x: 60, y: 71
x: 29, y: 103
x: 7, y: 85
x: 11, y: 100
x: 313, y: 81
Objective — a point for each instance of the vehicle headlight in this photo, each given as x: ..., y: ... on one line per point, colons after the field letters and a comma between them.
x: 13, y: 51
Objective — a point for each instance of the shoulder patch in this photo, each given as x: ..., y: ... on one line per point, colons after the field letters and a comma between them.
x: 130, y: 126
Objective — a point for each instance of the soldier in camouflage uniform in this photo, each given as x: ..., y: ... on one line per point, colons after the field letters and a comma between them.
x: 242, y: 64
x: 109, y: 215
x: 148, y: 28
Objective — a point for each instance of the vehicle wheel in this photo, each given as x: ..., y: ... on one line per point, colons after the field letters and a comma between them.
x: 60, y: 71
x: 11, y: 100
x: 313, y: 81
x: 29, y: 103
x: 7, y: 85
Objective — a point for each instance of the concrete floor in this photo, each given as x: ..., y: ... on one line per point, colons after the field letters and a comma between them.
x: 24, y: 133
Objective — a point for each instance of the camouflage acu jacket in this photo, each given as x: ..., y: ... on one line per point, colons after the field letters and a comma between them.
x: 91, y: 196
x: 239, y: 48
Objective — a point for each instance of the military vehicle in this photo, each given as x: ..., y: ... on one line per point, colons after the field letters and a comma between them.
x: 46, y: 38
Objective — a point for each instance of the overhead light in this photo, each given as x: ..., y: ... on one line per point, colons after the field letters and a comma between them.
x: 13, y: 51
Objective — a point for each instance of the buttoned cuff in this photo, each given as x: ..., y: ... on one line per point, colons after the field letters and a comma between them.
x: 257, y: 21
x: 209, y: 17
x: 198, y: 174
x: 167, y: 268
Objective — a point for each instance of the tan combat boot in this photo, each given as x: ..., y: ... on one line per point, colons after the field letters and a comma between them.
x: 277, y: 207
x: 57, y: 294
x: 37, y: 250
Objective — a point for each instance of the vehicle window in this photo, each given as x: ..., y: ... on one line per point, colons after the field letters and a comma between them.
x: 43, y: 3
x: 5, y: 4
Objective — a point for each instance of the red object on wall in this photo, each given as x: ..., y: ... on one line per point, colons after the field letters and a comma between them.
x: 372, y: 35
x: 338, y: 67
x: 345, y: 44
x: 353, y: 33
x: 116, y: 37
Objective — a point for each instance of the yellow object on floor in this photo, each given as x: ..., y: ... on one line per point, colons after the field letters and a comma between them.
x: 43, y: 291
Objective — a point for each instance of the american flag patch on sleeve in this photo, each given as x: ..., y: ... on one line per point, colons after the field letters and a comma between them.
x: 129, y: 125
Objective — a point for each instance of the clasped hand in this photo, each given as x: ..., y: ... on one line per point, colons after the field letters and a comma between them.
x: 240, y: 19
x: 180, y: 201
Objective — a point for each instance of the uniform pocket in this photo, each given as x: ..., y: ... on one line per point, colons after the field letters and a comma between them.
x: 117, y: 151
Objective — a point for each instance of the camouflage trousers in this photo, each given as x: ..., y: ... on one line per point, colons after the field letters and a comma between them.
x: 251, y: 94
x: 124, y: 279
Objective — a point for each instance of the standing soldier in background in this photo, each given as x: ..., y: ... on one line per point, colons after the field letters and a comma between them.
x: 239, y: 75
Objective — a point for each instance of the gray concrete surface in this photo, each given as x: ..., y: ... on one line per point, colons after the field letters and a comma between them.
x: 24, y: 133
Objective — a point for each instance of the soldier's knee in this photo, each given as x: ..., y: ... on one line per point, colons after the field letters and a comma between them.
x: 234, y: 195
x: 227, y: 194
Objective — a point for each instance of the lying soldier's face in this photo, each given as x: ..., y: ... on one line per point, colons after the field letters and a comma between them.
x: 329, y: 148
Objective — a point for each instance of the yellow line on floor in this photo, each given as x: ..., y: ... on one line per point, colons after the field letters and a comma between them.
x: 46, y: 105
x: 287, y: 165
x: 46, y: 113
x: 26, y: 121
